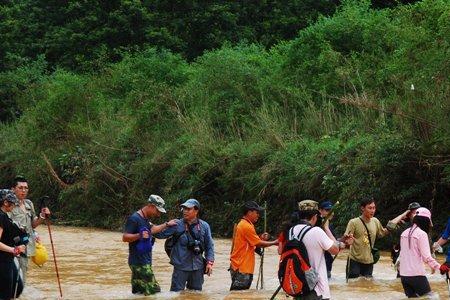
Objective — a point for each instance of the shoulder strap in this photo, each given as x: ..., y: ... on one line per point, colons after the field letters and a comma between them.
x: 368, y: 233
x: 304, y: 231
x: 301, y: 234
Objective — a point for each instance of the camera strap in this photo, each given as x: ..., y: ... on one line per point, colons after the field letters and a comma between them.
x: 191, y: 234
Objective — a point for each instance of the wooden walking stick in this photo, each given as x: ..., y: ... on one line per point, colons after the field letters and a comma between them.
x: 47, y: 221
x: 261, y: 265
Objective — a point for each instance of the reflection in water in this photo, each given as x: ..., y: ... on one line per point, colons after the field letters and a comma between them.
x: 93, y: 265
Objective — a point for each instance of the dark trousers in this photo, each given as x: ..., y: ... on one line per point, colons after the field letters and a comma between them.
x: 356, y: 269
x: 10, y: 283
x: 240, y: 281
x: 192, y: 280
x: 310, y: 296
x: 415, y: 286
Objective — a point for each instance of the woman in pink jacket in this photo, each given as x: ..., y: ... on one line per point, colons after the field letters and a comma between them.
x: 414, y: 251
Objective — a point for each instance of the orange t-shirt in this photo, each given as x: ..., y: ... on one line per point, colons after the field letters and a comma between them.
x: 245, y: 240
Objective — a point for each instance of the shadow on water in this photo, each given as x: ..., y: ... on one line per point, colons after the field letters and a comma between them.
x: 93, y: 265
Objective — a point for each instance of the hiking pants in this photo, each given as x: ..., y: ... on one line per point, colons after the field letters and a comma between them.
x: 143, y: 280
x: 415, y: 286
x: 23, y: 262
x: 240, y: 281
x: 192, y: 280
x: 310, y: 296
x: 8, y: 280
x: 356, y: 269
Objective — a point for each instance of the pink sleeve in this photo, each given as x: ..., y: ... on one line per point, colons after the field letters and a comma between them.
x: 424, y: 248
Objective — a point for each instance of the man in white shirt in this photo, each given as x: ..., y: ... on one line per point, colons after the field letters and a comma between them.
x: 317, y: 242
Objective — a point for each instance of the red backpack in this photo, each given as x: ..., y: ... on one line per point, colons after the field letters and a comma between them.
x: 295, y: 274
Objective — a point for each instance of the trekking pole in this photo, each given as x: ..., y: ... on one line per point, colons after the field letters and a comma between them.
x: 261, y: 265
x: 347, y: 269
x: 448, y: 284
x: 47, y: 220
x: 54, y: 256
x: 276, y: 292
x: 18, y: 277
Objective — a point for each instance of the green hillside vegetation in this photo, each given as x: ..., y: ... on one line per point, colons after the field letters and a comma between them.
x: 357, y: 104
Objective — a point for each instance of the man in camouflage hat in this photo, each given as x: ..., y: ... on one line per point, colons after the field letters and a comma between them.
x: 138, y: 234
x: 316, y: 242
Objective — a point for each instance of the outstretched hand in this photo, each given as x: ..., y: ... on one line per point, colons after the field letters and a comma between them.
x: 172, y: 222
x: 444, y: 269
x: 348, y: 239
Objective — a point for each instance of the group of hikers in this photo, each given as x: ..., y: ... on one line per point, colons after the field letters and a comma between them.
x: 307, y: 245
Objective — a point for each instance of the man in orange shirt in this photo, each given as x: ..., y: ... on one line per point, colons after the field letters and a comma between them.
x: 245, y: 241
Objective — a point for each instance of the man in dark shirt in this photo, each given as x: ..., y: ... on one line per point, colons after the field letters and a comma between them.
x: 138, y: 234
x: 11, y: 284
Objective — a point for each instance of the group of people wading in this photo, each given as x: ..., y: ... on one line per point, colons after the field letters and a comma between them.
x: 306, y: 244
x: 308, y: 234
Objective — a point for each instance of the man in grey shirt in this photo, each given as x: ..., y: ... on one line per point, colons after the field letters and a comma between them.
x: 193, y: 239
x: 25, y: 216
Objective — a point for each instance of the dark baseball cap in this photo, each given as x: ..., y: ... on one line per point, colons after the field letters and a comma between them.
x: 252, y: 205
x: 414, y: 205
x: 326, y: 205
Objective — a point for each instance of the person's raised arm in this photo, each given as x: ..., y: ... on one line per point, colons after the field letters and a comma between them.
x: 158, y: 228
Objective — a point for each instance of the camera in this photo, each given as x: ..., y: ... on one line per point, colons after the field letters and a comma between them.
x: 195, y: 246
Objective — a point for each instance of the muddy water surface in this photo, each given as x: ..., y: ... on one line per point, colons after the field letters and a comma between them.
x: 93, y: 265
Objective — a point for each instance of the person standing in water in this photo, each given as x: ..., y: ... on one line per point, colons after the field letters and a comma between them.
x: 11, y: 284
x: 245, y: 240
x: 325, y: 209
x: 414, y: 251
x: 193, y: 240
x: 25, y: 216
x: 442, y: 241
x: 138, y: 234
x: 365, y: 229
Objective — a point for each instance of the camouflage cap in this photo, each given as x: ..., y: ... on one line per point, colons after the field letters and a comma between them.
x: 308, y: 205
x: 158, y: 202
x: 9, y: 196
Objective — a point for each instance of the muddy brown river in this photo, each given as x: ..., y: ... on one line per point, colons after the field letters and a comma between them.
x: 93, y: 265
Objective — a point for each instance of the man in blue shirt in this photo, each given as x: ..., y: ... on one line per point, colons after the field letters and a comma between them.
x: 442, y: 241
x: 193, y: 239
x: 138, y: 233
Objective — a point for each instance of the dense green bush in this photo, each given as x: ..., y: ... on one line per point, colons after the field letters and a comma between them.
x: 328, y: 115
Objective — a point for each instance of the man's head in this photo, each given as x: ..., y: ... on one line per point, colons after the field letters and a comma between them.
x: 368, y: 207
x: 190, y: 209
x: 20, y: 187
x: 252, y: 211
x: 325, y: 207
x: 308, y: 210
x: 155, y: 206
x: 8, y: 199
x: 412, y: 207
